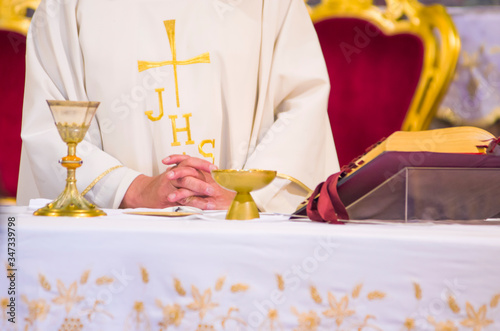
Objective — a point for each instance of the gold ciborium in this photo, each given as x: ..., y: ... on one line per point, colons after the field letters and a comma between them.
x: 72, y: 119
x: 243, y: 182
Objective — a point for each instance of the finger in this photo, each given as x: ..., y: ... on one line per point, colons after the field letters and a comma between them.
x: 175, y: 159
x: 199, y: 187
x: 199, y: 164
x: 179, y: 172
x: 180, y: 195
x: 199, y: 202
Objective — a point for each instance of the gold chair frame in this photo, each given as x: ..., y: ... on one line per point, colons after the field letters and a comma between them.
x: 13, y: 15
x: 432, y: 24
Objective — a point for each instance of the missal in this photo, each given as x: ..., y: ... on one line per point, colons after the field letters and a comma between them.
x: 455, y: 147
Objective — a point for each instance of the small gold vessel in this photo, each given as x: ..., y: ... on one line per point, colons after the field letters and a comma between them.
x: 243, y: 182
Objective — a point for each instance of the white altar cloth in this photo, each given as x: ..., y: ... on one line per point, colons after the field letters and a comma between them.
x: 129, y: 272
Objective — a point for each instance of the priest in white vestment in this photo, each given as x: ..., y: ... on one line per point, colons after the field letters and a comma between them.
x: 237, y: 83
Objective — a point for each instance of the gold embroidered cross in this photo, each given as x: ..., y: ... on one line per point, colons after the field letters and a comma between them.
x: 145, y: 65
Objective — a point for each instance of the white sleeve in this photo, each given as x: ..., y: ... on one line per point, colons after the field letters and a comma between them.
x: 299, y: 143
x: 55, y: 71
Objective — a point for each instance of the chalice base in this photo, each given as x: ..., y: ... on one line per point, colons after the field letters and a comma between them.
x: 242, y: 208
x: 72, y: 205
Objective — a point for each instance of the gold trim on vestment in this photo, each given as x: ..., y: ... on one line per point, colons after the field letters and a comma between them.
x: 101, y: 176
x: 296, y: 181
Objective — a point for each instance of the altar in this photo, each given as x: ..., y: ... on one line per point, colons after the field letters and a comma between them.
x: 134, y: 272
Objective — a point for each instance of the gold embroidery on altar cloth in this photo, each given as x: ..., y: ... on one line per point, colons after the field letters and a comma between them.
x: 71, y: 324
x: 149, y: 113
x: 452, y: 303
x: 37, y: 309
x: 138, y: 319
x: 228, y: 317
x: 375, y: 295
x: 338, y: 309
x: 418, y: 291
x: 95, y: 310
x: 44, y: 283
x: 239, y: 288
x: 476, y: 319
x: 172, y: 314
x: 308, y: 321
x: 85, y: 277
x: 104, y: 280
x: 179, y: 288
x: 409, y: 324
x: 281, y: 282
x: 202, y: 303
x: 494, y: 301
x: 186, y: 129
x: 219, y: 283
x: 144, y: 275
x: 315, y: 295
x: 442, y: 326
x: 356, y: 291
x: 145, y: 65
x: 67, y: 296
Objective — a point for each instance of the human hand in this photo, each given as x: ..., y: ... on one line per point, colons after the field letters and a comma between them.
x: 195, y: 185
x: 188, y: 182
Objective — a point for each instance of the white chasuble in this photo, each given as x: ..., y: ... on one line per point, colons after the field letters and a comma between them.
x: 238, y: 83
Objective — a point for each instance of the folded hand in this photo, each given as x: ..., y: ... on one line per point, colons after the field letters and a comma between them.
x: 188, y: 182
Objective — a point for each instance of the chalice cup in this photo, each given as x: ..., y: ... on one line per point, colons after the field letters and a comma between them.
x: 72, y: 119
x: 243, y: 182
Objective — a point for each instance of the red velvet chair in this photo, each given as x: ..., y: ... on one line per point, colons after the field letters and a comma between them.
x: 15, y: 17
x: 389, y: 68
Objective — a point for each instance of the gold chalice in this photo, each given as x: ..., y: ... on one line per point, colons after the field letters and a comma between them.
x: 72, y: 119
x: 243, y: 182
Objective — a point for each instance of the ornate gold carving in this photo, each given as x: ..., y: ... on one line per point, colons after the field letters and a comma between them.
x: 186, y: 129
x: 145, y: 65
x: 16, y: 14
x: 431, y: 24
